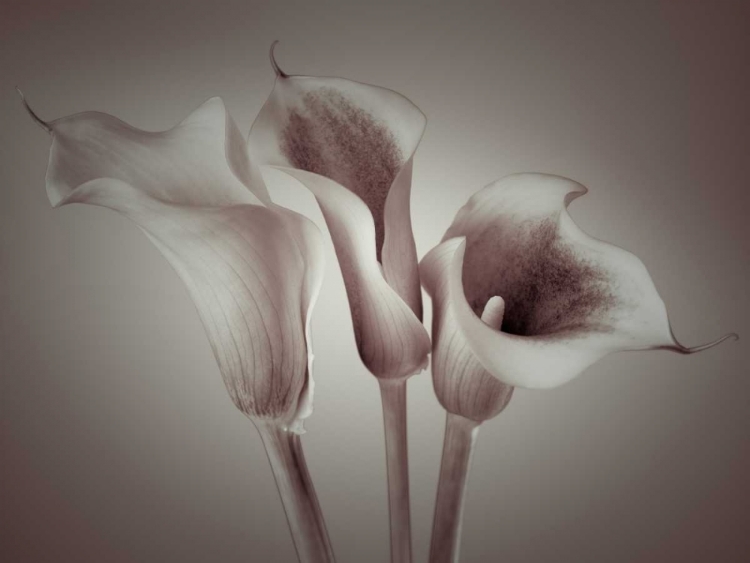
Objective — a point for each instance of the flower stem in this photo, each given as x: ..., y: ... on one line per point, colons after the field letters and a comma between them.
x: 393, y: 395
x: 458, y: 446
x: 295, y: 487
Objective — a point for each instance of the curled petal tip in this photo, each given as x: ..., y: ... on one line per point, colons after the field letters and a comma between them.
x: 279, y: 73
x: 685, y: 350
x: 39, y: 121
x: 580, y: 190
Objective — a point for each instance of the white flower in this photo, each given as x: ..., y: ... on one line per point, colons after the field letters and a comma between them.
x: 560, y: 299
x: 352, y: 145
x: 252, y: 268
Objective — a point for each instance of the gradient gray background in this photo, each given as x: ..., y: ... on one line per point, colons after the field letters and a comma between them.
x: 118, y: 440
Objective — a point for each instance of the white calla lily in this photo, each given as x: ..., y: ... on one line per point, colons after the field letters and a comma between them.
x: 253, y: 269
x: 352, y: 145
x: 522, y: 297
x: 569, y: 299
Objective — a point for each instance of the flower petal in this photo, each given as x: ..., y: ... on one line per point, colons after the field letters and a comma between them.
x: 201, y: 161
x: 569, y: 299
x: 461, y: 383
x: 253, y: 271
x: 391, y: 341
x: 353, y: 141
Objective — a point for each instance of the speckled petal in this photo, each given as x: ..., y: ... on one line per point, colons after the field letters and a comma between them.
x: 569, y: 299
x: 356, y: 141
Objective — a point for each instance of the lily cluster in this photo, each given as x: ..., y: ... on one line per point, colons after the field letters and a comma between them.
x: 521, y: 296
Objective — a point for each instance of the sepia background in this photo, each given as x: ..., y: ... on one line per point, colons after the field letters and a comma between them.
x: 118, y: 442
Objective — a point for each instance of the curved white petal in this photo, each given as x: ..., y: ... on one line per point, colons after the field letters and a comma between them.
x: 352, y: 141
x: 391, y: 341
x: 201, y: 161
x: 569, y: 299
x: 253, y: 271
x: 461, y: 383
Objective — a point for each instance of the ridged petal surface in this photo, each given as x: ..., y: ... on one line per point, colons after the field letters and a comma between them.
x: 569, y: 299
x: 352, y: 145
x: 252, y: 268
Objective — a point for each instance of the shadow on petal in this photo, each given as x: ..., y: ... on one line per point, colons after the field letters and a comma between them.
x: 352, y: 145
x: 569, y: 299
x: 252, y: 268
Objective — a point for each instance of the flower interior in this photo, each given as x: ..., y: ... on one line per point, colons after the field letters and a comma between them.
x: 332, y: 137
x: 548, y: 289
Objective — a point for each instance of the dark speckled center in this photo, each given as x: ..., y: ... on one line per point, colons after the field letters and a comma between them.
x: 332, y: 137
x: 547, y: 288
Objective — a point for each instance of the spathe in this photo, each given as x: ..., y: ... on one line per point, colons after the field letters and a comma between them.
x: 569, y: 299
x: 352, y: 145
x: 252, y: 268
x: 552, y: 301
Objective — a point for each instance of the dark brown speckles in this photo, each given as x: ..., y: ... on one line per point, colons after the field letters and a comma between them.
x: 547, y: 288
x: 332, y: 137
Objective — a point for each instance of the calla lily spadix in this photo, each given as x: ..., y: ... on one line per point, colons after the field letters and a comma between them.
x: 352, y: 145
x: 523, y: 297
x: 253, y: 269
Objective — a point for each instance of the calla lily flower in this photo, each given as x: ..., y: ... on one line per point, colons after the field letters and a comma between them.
x: 252, y: 268
x: 352, y: 145
x: 523, y: 297
x: 568, y: 299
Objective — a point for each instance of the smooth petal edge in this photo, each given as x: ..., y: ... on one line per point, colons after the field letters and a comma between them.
x: 346, y: 229
x: 514, y: 360
x: 237, y: 160
x: 263, y: 139
x: 280, y: 75
x: 399, y: 250
x: 272, y: 109
x: 310, y: 243
x: 399, y: 256
x: 154, y: 217
x: 581, y: 353
x: 136, y: 204
x: 461, y: 384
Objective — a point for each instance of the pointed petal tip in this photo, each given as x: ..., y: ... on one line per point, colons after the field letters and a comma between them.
x: 39, y: 121
x: 579, y: 191
x: 701, y: 347
x: 279, y: 73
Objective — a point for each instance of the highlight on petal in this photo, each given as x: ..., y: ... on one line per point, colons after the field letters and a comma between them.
x: 391, y: 341
x: 462, y: 385
x: 569, y: 299
x: 352, y: 145
x: 201, y: 161
x: 253, y: 270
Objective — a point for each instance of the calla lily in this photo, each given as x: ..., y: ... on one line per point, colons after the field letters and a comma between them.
x: 252, y: 268
x: 352, y: 145
x: 522, y: 297
x: 569, y: 299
